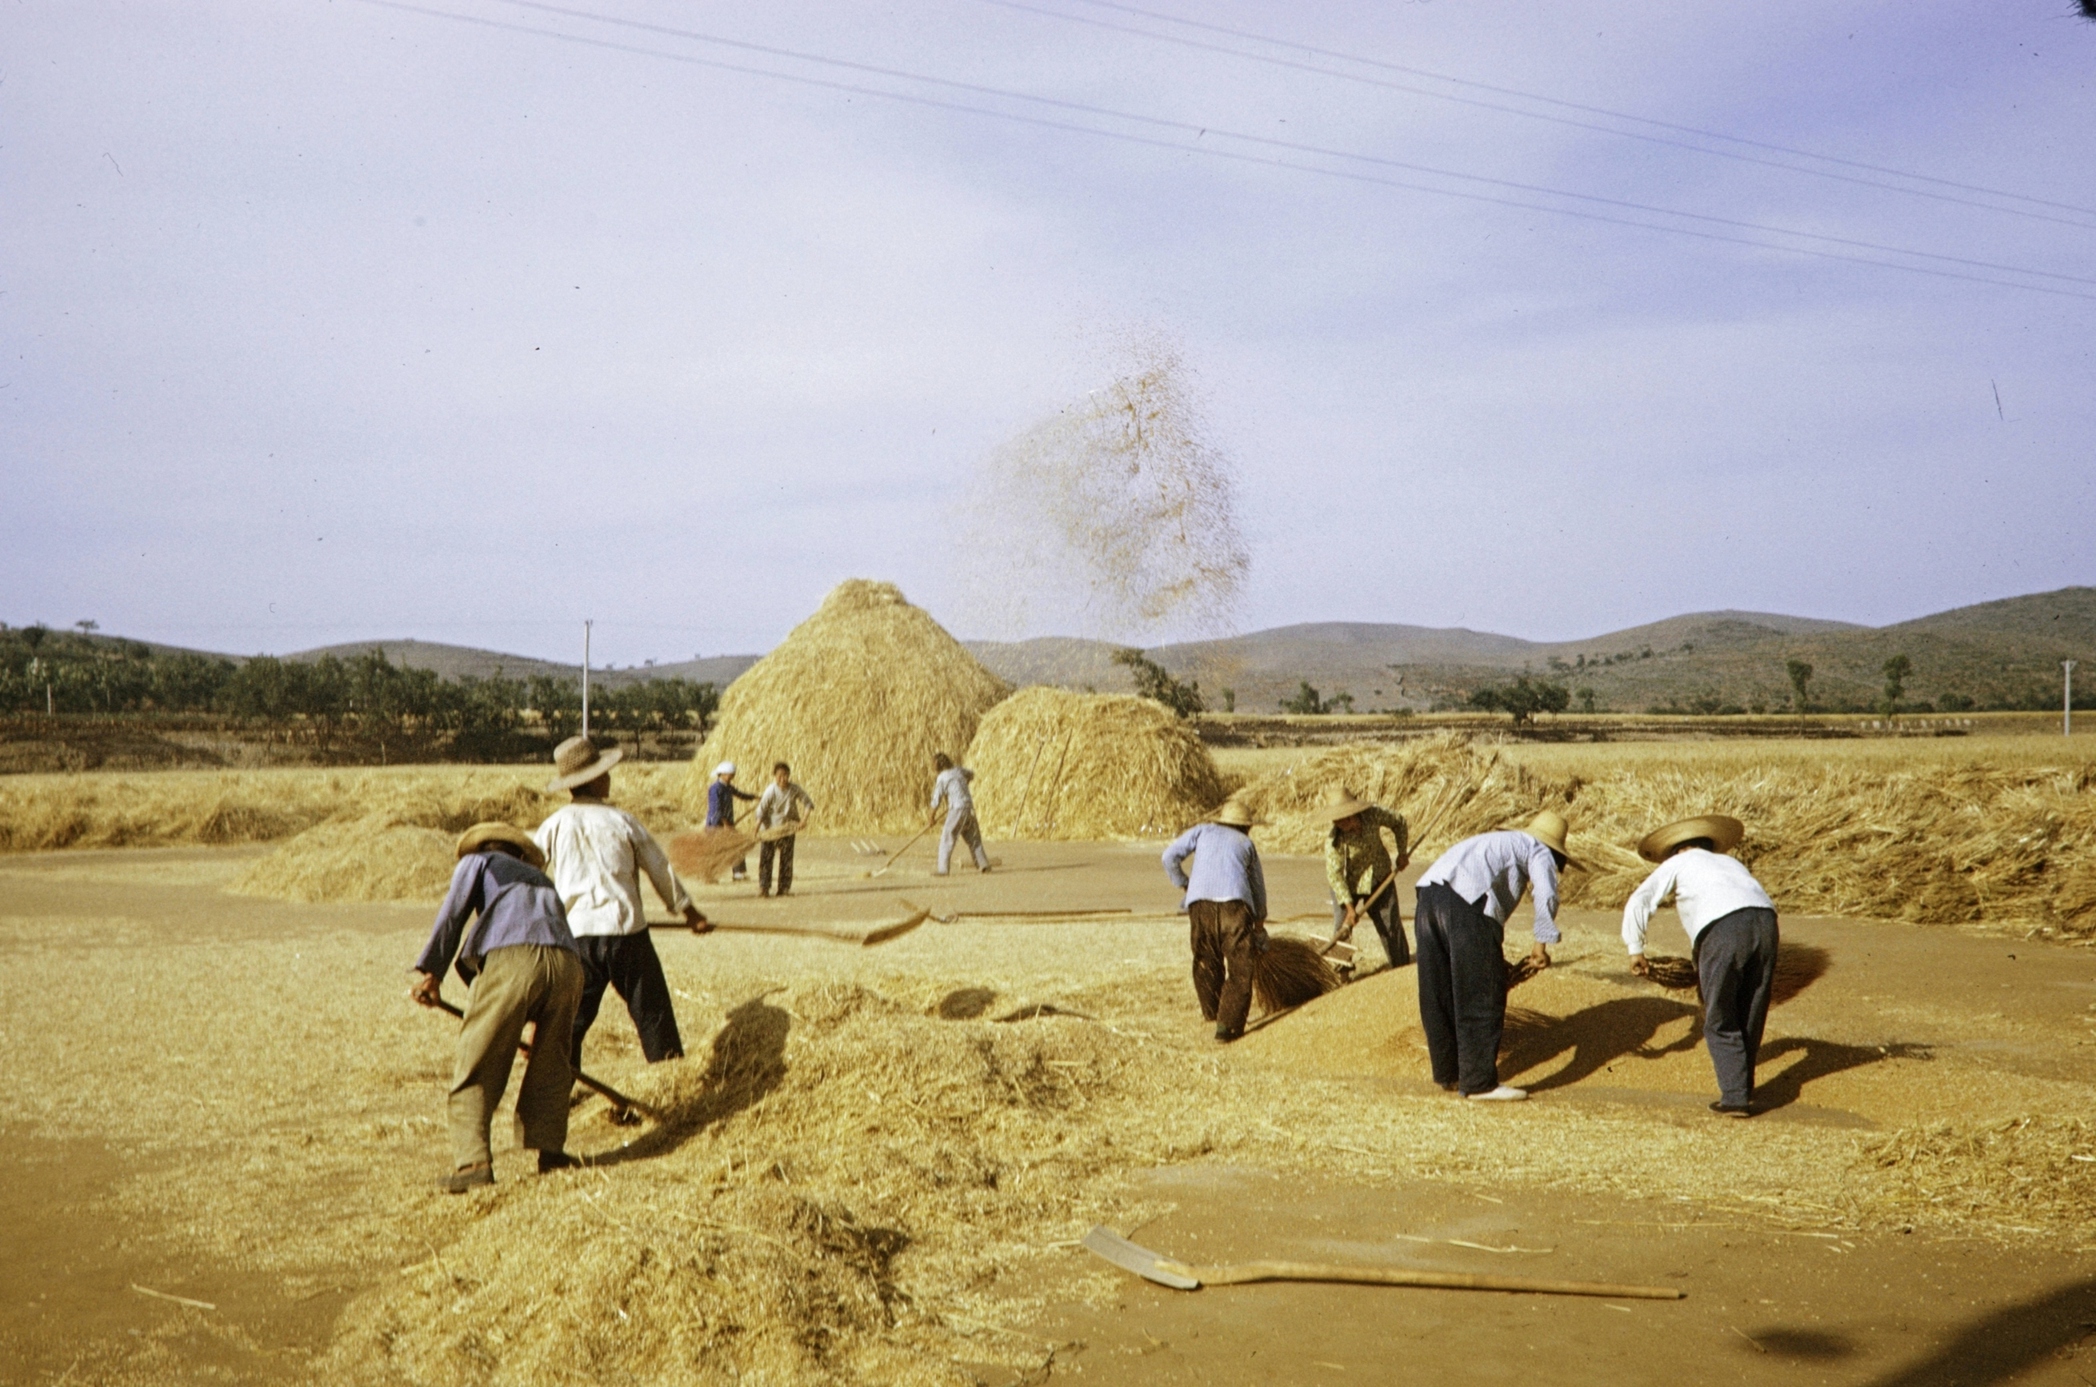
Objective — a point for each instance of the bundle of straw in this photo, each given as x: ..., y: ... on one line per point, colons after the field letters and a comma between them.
x: 858, y: 698
x: 1798, y: 966
x: 1290, y: 973
x: 706, y: 852
x: 1050, y: 764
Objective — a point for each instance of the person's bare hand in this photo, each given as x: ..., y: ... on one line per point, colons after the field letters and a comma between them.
x: 1639, y: 966
x: 1539, y: 957
x: 1402, y: 863
x: 698, y: 922
x: 425, y: 988
x: 1347, y: 922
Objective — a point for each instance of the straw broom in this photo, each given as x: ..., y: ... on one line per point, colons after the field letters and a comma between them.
x: 1798, y: 966
x: 1291, y: 972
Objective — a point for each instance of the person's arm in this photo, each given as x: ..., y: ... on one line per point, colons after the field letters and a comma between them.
x: 740, y: 793
x: 1638, y: 911
x: 1257, y: 874
x: 1401, y: 834
x: 1176, y: 854
x: 938, y: 791
x: 460, y: 902
x: 798, y: 798
x: 1542, y: 879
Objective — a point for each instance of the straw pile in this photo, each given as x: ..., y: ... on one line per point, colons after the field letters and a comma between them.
x: 402, y: 851
x: 2019, y: 1172
x: 858, y: 699
x: 1050, y: 764
x: 1940, y: 843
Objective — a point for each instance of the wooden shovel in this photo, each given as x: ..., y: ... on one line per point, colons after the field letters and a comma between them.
x: 882, y: 869
x: 866, y: 937
x: 619, y: 1101
x: 1151, y: 1266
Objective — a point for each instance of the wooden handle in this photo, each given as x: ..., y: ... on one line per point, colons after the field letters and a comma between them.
x: 603, y: 1090
x: 1249, y: 1272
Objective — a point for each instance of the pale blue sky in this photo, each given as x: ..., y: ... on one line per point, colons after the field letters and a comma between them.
x: 324, y: 321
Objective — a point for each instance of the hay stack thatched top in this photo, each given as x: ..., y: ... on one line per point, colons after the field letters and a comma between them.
x: 1050, y: 764
x: 857, y: 699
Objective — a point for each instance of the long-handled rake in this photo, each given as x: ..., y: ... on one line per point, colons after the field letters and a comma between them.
x: 620, y: 1103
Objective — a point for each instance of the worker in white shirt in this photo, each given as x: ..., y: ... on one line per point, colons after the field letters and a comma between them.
x: 951, y: 788
x: 783, y: 803
x: 595, y: 853
x: 1464, y: 901
x: 1731, y: 924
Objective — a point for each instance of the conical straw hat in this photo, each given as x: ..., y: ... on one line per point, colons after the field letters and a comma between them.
x: 577, y: 761
x: 1723, y: 831
x: 1341, y: 804
x: 1233, y: 814
x: 495, y: 831
x: 1550, y: 829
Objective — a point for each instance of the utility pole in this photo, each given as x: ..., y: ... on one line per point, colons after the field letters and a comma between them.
x: 2067, y: 700
x: 586, y: 624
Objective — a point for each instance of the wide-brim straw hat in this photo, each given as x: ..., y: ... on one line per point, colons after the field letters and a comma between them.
x: 577, y: 761
x: 1233, y: 814
x: 725, y: 768
x: 1725, y: 832
x: 1550, y: 829
x: 1341, y: 804
x: 495, y: 831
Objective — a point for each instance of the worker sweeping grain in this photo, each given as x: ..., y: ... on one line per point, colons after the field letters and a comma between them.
x: 596, y: 853
x: 952, y: 788
x: 521, y: 962
x: 1357, y: 867
x: 720, y: 809
x: 1226, y: 904
x: 783, y: 802
x: 1464, y: 900
x: 1731, y: 924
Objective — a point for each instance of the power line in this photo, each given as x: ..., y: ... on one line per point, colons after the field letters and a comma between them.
x: 1553, y: 101
x: 1235, y: 156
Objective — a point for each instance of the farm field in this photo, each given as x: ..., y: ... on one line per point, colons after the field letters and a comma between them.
x: 876, y: 1161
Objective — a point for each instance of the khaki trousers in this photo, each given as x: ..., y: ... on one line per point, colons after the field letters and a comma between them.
x: 524, y: 982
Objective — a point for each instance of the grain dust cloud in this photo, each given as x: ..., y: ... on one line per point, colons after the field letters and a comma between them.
x: 1114, y: 518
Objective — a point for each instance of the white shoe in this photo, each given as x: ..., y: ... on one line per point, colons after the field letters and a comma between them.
x: 1502, y: 1094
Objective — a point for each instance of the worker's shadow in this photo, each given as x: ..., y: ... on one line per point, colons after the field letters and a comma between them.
x: 1821, y: 1059
x: 2006, y: 1343
x: 748, y: 1061
x: 1596, y: 1037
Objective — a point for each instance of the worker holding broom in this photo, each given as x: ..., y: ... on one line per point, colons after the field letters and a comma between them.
x: 783, y: 802
x: 720, y: 811
x: 523, y: 967
x: 1359, y: 871
x: 1731, y: 924
x: 596, y: 853
x: 1464, y: 900
x: 952, y: 788
x: 1226, y: 904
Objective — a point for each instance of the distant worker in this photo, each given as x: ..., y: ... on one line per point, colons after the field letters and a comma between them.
x: 1226, y: 903
x: 720, y: 812
x: 1731, y: 925
x: 523, y: 968
x: 1356, y: 868
x: 1464, y: 901
x: 952, y: 787
x: 783, y: 802
x: 595, y: 854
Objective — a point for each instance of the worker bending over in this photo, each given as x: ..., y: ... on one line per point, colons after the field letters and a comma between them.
x: 1357, y: 866
x: 1731, y: 924
x: 1464, y: 901
x: 1226, y: 904
x: 952, y: 788
x: 522, y: 965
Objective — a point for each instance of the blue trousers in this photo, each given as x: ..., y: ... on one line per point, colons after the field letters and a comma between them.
x: 1736, y: 973
x: 1462, y: 988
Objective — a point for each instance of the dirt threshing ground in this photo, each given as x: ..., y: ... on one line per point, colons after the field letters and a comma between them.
x: 229, y: 1100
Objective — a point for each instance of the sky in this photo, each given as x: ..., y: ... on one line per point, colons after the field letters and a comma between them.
x: 468, y: 320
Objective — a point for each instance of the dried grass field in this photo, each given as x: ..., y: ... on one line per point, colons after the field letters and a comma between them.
x: 875, y: 1163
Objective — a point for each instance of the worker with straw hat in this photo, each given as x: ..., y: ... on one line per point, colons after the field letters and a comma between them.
x: 523, y: 967
x: 596, y: 853
x: 1357, y: 868
x: 1464, y: 901
x: 1731, y: 924
x: 1226, y: 903
x: 720, y: 811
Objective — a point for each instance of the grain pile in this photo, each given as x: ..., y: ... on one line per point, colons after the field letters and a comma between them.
x: 404, y: 849
x: 1051, y: 764
x: 1941, y: 843
x: 858, y: 699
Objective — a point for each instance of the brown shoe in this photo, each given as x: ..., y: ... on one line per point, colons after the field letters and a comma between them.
x: 467, y: 1178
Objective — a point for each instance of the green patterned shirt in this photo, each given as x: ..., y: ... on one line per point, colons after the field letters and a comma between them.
x: 1356, y: 863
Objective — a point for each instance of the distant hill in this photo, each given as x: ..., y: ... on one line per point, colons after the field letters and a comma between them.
x: 462, y: 661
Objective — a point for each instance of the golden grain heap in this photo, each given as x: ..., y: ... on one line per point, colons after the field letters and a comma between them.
x: 858, y: 698
x: 1050, y: 764
x: 400, y: 848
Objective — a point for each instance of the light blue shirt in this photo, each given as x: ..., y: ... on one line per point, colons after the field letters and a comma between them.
x: 1498, y: 867
x: 952, y: 786
x: 1226, y: 867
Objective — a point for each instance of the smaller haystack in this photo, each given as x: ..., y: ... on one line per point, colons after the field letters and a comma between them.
x: 858, y: 699
x: 1050, y: 764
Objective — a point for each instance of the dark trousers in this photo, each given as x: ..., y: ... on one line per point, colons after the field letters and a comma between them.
x: 1736, y: 972
x: 1388, y: 927
x: 1226, y: 948
x: 628, y: 964
x: 778, y: 850
x: 1462, y: 988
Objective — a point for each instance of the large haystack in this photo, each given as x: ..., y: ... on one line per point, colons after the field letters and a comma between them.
x: 858, y: 698
x: 1050, y: 764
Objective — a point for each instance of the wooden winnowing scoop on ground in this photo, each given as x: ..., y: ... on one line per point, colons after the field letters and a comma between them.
x: 1151, y: 1266
x: 619, y: 1102
x: 866, y: 936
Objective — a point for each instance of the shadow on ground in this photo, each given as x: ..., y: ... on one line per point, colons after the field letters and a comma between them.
x: 748, y: 1061
x: 1596, y: 1037
x: 2002, y: 1345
